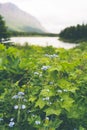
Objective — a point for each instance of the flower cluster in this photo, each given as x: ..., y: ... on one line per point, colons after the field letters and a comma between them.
x: 47, y: 98
x: 65, y: 90
x: 60, y: 91
x: 49, y: 103
x: 21, y: 107
x: 11, y: 123
x: 45, y: 67
x: 47, y: 118
x: 36, y: 73
x: 51, y: 56
x: 37, y: 122
x: 19, y: 95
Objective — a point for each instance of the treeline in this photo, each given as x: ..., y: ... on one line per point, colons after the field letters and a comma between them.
x: 16, y: 34
x: 74, y: 33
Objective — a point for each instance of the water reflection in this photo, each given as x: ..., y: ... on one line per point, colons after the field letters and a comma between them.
x: 42, y: 41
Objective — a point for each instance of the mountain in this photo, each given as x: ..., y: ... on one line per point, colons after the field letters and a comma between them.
x: 18, y: 20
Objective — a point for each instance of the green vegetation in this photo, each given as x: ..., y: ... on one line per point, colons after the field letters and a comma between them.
x: 4, y: 34
x: 25, y: 34
x: 74, y: 33
x: 43, y: 88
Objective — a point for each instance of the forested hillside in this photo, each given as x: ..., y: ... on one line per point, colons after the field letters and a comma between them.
x: 74, y: 33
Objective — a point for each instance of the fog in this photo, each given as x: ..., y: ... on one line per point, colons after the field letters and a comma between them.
x: 55, y: 15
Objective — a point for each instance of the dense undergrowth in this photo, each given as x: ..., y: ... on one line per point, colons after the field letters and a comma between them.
x: 43, y: 88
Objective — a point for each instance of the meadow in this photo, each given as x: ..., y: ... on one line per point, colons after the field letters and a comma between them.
x: 43, y: 88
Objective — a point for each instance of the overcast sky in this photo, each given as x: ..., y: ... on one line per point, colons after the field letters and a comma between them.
x: 55, y: 14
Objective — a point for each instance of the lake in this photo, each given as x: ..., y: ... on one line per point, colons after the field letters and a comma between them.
x: 42, y: 41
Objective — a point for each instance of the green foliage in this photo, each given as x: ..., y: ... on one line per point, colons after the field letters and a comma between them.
x: 74, y: 33
x: 4, y: 34
x: 43, y: 88
x: 18, y: 33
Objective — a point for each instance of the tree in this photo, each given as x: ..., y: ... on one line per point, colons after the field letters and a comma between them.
x: 4, y: 34
x: 74, y: 33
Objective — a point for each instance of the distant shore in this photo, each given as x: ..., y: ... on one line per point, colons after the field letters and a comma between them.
x: 29, y: 34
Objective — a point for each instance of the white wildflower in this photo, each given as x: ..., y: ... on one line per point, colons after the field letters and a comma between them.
x: 47, y: 55
x: 47, y: 98
x: 45, y: 67
x: 11, y: 119
x: 55, y: 55
x: 11, y: 124
x: 65, y: 90
x: 23, y: 106
x: 15, y: 97
x: 36, y: 73
x: 51, y: 56
x: 47, y: 118
x: 25, y: 100
x: 37, y: 122
x: 16, y: 107
x: 20, y: 94
x: 43, y: 99
x: 59, y: 91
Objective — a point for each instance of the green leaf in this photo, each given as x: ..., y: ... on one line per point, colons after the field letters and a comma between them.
x: 47, y: 92
x: 64, y: 84
x: 52, y: 111
x: 55, y: 124
x: 40, y: 103
x: 32, y: 98
x: 67, y: 102
x: 54, y: 73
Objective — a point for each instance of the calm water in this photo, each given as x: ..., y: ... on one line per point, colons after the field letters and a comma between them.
x: 42, y: 41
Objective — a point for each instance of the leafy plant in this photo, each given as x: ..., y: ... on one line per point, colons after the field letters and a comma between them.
x: 43, y: 90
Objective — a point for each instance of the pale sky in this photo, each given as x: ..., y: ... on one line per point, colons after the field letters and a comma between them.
x: 55, y: 15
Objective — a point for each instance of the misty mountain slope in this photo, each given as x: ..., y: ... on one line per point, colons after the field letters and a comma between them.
x: 18, y: 20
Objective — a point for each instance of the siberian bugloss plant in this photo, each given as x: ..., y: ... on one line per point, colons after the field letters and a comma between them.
x: 42, y: 90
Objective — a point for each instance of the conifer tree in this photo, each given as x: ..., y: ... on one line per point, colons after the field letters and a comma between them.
x: 4, y: 34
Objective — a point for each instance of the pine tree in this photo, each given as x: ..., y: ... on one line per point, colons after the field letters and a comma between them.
x: 4, y: 34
